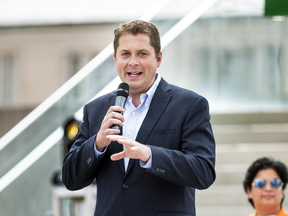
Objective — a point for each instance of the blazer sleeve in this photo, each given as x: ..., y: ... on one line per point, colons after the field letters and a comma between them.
x: 193, y: 164
x: 80, y: 164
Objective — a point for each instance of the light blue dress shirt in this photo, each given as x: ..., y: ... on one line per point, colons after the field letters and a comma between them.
x: 134, y: 117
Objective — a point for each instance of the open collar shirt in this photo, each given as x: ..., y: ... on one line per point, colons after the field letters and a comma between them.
x: 134, y: 117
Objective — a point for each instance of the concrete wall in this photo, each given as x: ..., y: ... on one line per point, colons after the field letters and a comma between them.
x: 10, y: 117
x: 41, y: 54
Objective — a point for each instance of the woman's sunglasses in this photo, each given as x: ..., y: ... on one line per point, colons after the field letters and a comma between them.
x: 260, y: 183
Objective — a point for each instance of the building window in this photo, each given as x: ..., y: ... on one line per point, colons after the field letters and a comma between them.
x: 75, y: 62
x: 8, y: 79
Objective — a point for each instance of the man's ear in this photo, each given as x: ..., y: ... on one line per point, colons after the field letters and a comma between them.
x: 114, y: 56
x: 159, y: 59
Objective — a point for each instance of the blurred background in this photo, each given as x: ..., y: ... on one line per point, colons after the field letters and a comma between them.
x: 55, y: 56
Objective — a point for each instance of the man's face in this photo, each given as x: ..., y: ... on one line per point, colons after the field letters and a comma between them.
x: 136, y: 62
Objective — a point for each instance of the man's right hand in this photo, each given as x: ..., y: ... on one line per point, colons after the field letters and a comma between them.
x: 112, y: 117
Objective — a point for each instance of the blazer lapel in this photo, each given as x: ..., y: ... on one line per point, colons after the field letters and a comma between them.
x: 158, y: 104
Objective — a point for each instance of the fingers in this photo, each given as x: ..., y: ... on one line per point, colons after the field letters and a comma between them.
x: 128, y: 143
x: 117, y: 156
x: 112, y: 117
x: 133, y: 149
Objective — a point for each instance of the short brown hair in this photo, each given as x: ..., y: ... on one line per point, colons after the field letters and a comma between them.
x: 138, y: 27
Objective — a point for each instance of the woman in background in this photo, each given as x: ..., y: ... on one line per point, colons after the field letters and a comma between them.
x: 265, y: 182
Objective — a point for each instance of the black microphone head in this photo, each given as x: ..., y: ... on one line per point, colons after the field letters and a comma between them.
x: 123, y: 90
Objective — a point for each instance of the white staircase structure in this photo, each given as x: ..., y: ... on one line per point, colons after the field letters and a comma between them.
x: 241, y: 139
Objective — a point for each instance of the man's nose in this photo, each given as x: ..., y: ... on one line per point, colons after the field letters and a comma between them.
x: 133, y: 60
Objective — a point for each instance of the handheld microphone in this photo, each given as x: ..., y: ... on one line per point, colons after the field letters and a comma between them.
x: 121, y: 96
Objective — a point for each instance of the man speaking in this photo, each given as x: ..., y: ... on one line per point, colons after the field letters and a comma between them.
x: 164, y: 147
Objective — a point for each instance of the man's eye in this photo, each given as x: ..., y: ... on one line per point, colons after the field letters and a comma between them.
x: 125, y: 54
x: 142, y: 54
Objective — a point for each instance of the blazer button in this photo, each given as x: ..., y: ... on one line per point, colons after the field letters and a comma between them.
x: 125, y: 186
x: 89, y: 160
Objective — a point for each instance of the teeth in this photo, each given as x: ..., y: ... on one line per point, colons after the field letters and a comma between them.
x: 134, y: 74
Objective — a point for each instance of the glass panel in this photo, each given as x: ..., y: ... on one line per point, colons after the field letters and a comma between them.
x: 234, y: 57
x: 172, y: 13
x: 32, y: 191
x: 57, y: 114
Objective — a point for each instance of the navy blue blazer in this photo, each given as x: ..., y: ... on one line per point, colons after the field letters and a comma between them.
x: 178, y: 130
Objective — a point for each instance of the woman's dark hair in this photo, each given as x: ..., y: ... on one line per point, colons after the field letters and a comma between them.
x: 262, y: 164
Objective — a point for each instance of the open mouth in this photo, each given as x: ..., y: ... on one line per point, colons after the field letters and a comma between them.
x: 134, y: 74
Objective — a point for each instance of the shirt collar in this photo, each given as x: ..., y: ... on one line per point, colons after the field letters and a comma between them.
x: 152, y: 89
x: 282, y: 211
x: 146, y: 97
